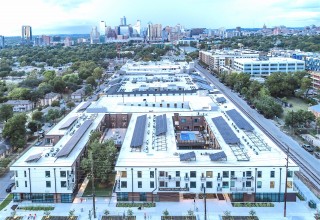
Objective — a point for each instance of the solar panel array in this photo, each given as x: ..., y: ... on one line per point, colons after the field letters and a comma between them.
x: 161, y: 124
x: 198, y: 78
x: 138, y: 133
x: 68, y: 147
x: 188, y: 156
x: 68, y: 123
x: 226, y: 132
x: 84, y: 106
x: 221, y: 100
x: 34, y: 157
x: 218, y: 156
x: 204, y: 86
x: 239, y: 120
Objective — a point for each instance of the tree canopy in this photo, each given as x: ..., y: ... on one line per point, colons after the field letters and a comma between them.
x: 15, y: 130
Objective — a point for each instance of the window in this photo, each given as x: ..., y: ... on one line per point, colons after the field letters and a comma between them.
x: 151, y: 174
x: 183, y: 120
x: 48, y: 184
x: 151, y: 184
x: 248, y: 173
x: 259, y: 184
x: 209, y: 184
x: 16, y: 173
x: 259, y: 174
x: 161, y: 173
x: 63, y: 173
x: 139, y: 184
x: 177, y: 173
x: 25, y: 184
x: 225, y: 174
x: 178, y: 184
x: 123, y: 184
x: 139, y: 173
x: 122, y: 196
x: 290, y: 174
x: 17, y: 184
x: 193, y: 174
x: 196, y: 120
x: 272, y: 174
x: 225, y: 184
x: 209, y: 174
x: 162, y: 184
x: 193, y: 184
x: 289, y: 184
x: 143, y: 196
x: 248, y: 183
x: 232, y: 183
x: 63, y: 184
x: 47, y: 173
x: 232, y: 174
x: 25, y: 173
x: 124, y: 174
x: 271, y: 184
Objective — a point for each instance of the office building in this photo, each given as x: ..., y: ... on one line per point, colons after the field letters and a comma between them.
x: 264, y: 66
x: 94, y: 36
x: 123, y: 21
x: 26, y: 35
x: 154, y: 32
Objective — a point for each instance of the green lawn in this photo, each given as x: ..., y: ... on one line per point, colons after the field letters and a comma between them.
x: 101, y: 190
x: 6, y: 201
x: 297, y: 104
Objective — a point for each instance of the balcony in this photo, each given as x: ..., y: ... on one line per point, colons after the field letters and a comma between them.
x: 248, y: 178
x: 203, y: 178
x: 186, y: 178
x: 219, y: 178
x: 242, y: 189
x: 173, y: 189
x: 219, y: 189
x: 169, y: 178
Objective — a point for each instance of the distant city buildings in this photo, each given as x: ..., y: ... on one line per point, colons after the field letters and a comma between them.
x: 26, y: 35
x: 1, y: 41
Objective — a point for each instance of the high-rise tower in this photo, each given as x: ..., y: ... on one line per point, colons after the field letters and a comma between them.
x: 26, y: 34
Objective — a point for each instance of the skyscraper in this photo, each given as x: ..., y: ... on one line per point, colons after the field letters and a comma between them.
x: 102, y: 28
x: 26, y: 34
x: 123, y: 21
x: 1, y: 41
x: 94, y: 36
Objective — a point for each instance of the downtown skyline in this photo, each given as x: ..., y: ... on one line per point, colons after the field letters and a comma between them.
x: 79, y: 16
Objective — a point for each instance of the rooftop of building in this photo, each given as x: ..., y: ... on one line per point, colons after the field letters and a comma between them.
x: 268, y: 60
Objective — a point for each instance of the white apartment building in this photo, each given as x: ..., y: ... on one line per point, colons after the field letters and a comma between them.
x: 159, y: 67
x: 172, y: 146
x: 266, y: 66
x: 222, y: 59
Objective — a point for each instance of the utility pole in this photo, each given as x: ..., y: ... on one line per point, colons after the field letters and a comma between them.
x: 205, y: 203
x: 93, y: 189
x: 285, y: 189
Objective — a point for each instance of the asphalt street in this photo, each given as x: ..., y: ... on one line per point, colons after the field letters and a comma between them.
x: 5, y: 180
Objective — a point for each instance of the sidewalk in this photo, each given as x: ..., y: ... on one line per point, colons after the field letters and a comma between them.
x: 215, y: 209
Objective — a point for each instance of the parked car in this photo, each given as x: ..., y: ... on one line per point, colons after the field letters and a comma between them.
x: 308, y: 148
x: 38, y: 143
x: 41, y: 132
x: 317, y: 154
x: 9, y: 188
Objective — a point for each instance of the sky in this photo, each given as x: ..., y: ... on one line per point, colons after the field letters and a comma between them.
x: 79, y: 16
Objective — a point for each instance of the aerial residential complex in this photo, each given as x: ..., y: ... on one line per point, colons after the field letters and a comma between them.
x: 176, y: 135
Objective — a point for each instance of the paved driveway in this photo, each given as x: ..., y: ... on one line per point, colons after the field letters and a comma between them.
x: 5, y: 180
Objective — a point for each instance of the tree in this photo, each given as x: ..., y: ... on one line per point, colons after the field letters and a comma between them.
x: 37, y: 116
x: 102, y: 155
x: 55, y: 103
x: 49, y: 75
x: 19, y: 93
x: 33, y: 126
x: 129, y: 212
x: 15, y: 130
x: 91, y: 81
x: 94, y: 136
x: 70, y: 105
x: 306, y: 85
x: 52, y: 115
x: 71, y: 214
x: 268, y: 107
x: 165, y: 213
x: 252, y: 214
x: 6, y: 112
